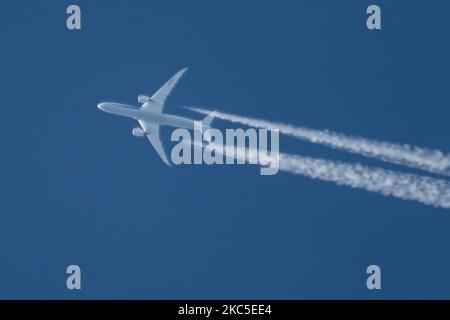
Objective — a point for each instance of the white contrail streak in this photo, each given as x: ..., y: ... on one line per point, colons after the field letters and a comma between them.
x: 430, y: 191
x: 406, y: 186
x: 434, y: 161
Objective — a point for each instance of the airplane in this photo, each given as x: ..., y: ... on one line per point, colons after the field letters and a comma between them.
x: 150, y: 115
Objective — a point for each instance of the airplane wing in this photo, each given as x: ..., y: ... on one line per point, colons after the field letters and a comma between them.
x: 152, y: 131
x: 157, y: 101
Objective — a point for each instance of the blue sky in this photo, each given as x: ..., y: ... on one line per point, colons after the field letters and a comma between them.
x: 78, y: 188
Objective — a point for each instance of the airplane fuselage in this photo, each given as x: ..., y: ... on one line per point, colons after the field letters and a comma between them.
x: 146, y: 115
x: 151, y: 117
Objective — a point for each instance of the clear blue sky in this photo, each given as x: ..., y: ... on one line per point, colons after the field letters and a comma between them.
x: 77, y: 188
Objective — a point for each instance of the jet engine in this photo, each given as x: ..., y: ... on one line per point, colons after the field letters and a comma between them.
x: 143, y: 99
x: 138, y: 132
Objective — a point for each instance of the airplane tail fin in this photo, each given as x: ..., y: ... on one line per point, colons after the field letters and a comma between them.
x: 206, y: 122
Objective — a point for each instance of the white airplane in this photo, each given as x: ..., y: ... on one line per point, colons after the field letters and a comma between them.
x: 150, y: 115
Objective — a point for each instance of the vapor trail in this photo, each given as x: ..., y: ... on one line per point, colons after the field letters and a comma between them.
x: 414, y: 157
x: 406, y: 186
x: 430, y: 191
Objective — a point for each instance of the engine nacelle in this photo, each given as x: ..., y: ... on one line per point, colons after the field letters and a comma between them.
x: 143, y: 99
x: 138, y: 132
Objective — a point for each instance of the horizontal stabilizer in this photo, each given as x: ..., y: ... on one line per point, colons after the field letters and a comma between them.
x: 208, y: 120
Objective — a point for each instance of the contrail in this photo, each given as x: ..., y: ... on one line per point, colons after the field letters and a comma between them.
x: 430, y: 191
x: 406, y: 186
x: 434, y: 161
